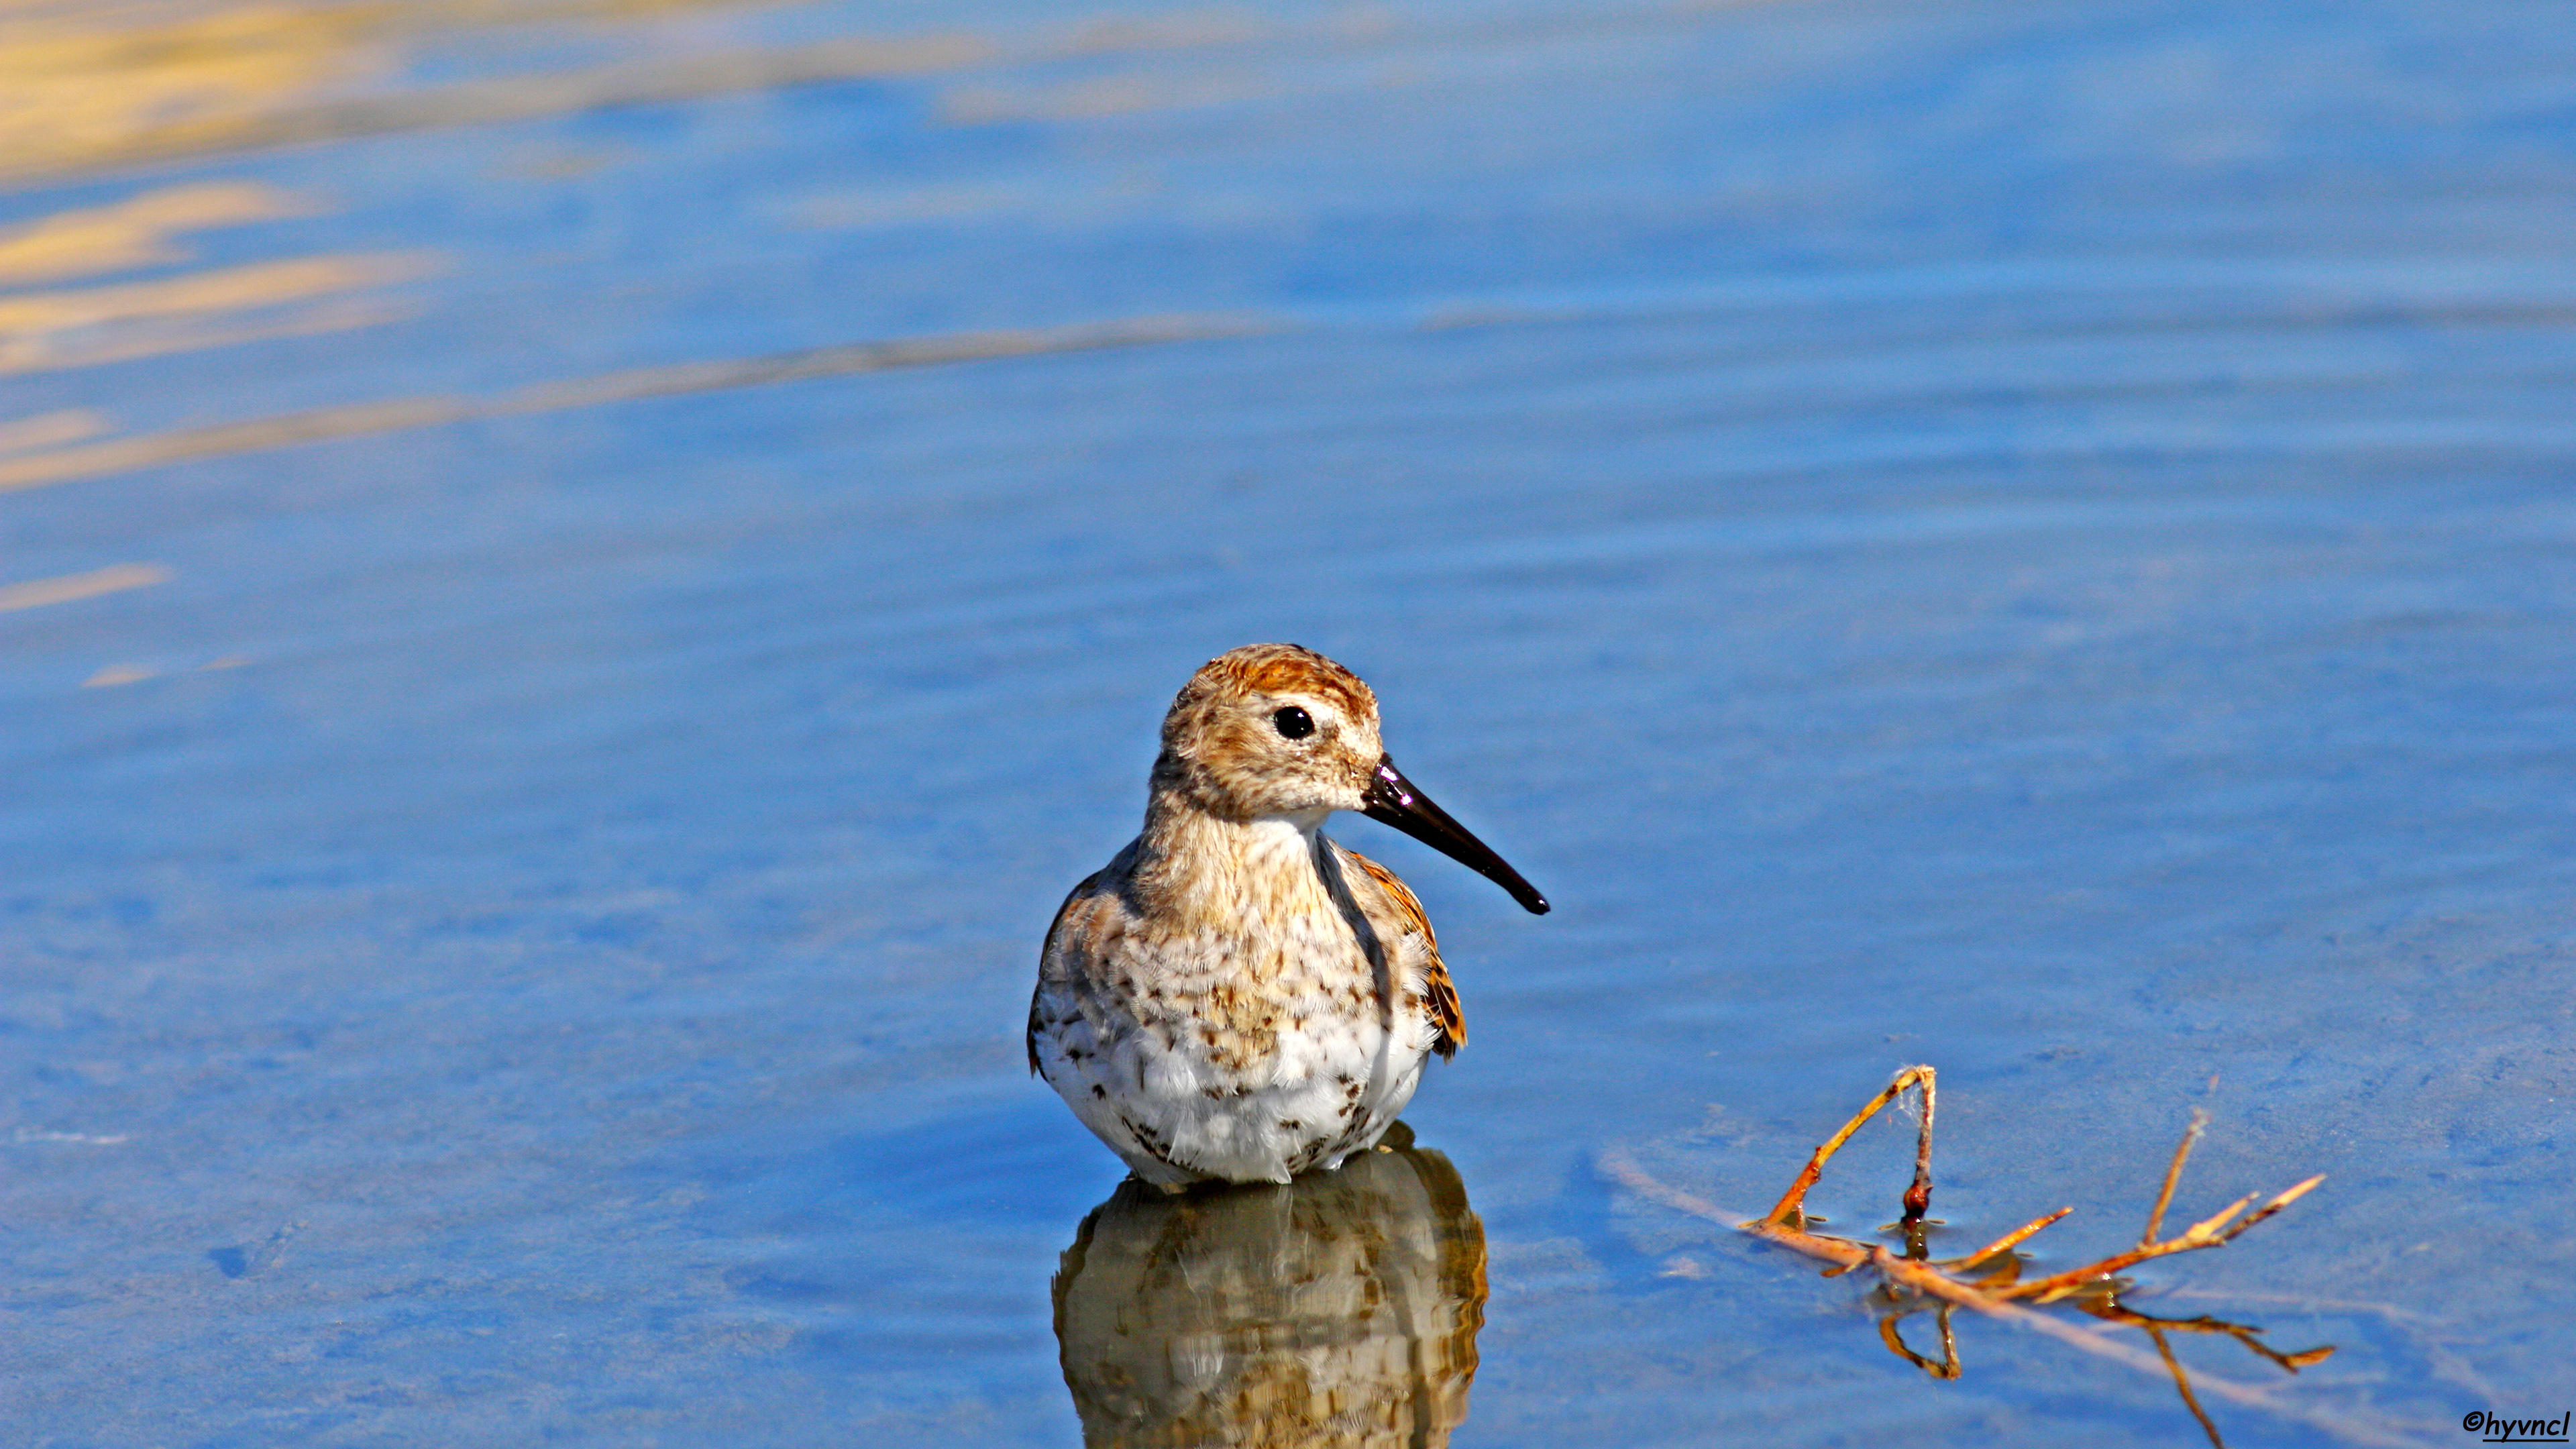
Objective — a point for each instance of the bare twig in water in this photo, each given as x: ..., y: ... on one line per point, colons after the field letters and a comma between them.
x: 1791, y: 1211
x: 1987, y: 1281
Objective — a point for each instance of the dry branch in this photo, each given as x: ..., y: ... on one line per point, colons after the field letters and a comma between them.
x: 1986, y: 1281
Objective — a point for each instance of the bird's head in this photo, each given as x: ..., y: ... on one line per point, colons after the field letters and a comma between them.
x: 1278, y: 731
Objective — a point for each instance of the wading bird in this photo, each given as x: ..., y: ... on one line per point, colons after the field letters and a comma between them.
x: 1235, y: 996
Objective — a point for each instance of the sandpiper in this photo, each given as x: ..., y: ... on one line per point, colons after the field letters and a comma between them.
x: 1235, y: 996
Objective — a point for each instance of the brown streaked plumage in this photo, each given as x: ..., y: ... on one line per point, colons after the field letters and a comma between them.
x: 1442, y: 997
x: 1236, y: 996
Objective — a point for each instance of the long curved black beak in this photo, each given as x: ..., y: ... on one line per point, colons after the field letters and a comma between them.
x: 1392, y: 800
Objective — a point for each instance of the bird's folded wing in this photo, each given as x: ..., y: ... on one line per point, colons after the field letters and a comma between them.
x: 1439, y: 997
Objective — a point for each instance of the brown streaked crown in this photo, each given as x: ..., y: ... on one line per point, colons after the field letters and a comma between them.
x: 1295, y: 669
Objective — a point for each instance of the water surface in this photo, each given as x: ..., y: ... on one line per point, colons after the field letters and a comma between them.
x: 577, y: 580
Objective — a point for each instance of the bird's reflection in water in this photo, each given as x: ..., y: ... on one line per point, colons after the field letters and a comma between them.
x: 1339, y: 1310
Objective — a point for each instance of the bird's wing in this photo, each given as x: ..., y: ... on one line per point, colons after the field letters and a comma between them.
x: 1439, y: 997
x: 1046, y: 953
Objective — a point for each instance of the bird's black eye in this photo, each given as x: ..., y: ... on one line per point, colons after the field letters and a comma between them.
x: 1293, y: 722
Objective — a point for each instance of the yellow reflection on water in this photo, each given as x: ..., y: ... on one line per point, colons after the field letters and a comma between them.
x: 113, y: 579
x: 77, y: 327
x: 140, y: 231
x: 1340, y: 1310
x: 51, y: 430
x: 82, y: 86
x: 90, y: 85
x: 45, y: 329
x: 45, y: 467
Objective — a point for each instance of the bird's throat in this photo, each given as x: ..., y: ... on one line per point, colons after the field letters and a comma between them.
x: 1228, y: 876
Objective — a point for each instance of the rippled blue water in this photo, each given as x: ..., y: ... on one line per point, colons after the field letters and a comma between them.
x: 576, y: 582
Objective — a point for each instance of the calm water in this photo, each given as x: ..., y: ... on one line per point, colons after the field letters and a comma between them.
x: 577, y: 579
